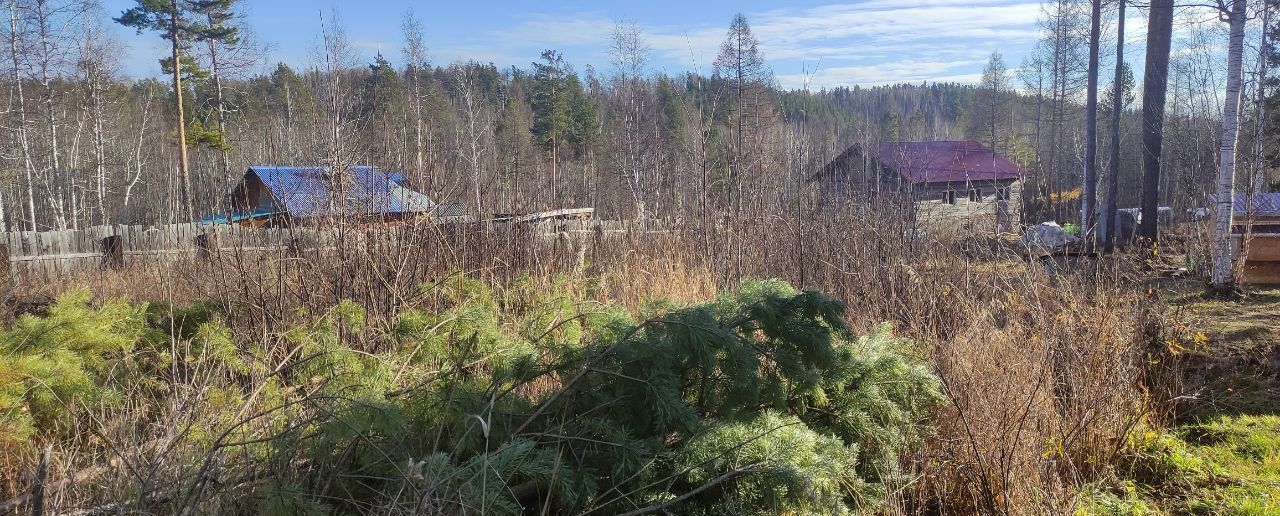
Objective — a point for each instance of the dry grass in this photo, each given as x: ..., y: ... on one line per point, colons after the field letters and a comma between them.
x: 1045, y: 375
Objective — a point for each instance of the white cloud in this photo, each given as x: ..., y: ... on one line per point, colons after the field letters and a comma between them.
x: 872, y: 42
x: 886, y: 73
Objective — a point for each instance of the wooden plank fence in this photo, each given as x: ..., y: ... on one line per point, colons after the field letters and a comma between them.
x: 49, y: 254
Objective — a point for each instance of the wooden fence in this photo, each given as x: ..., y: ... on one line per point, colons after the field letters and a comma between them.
x: 50, y: 254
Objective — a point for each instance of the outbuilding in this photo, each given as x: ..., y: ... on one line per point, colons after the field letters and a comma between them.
x: 272, y: 195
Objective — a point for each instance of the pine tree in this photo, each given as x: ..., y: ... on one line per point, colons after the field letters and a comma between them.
x: 742, y: 68
x: 175, y: 20
x: 551, y: 106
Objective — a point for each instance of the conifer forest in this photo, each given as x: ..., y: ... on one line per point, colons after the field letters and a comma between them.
x: 687, y: 272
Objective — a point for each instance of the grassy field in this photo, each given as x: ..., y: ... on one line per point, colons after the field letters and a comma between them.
x: 1223, y: 454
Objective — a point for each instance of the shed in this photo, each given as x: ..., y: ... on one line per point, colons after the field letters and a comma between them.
x: 1256, y: 216
x: 272, y: 194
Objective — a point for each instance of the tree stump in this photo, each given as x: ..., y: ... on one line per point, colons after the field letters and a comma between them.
x: 6, y: 274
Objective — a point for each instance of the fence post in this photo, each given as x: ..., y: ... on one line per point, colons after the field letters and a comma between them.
x: 6, y: 274
x: 206, y: 245
x: 112, y: 252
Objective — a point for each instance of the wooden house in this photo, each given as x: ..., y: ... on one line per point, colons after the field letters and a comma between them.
x: 1257, y: 230
x: 941, y: 180
x: 273, y: 195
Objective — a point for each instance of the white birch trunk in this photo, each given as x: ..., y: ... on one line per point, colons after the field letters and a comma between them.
x: 1221, y: 274
x: 99, y: 147
x: 21, y: 110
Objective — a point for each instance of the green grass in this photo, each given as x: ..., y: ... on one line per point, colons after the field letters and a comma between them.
x: 1229, y: 466
x: 1238, y: 371
x: 1224, y: 457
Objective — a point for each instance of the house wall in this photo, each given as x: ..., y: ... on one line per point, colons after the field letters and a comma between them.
x: 1262, y: 261
x: 986, y: 210
x: 251, y: 194
x: 972, y: 214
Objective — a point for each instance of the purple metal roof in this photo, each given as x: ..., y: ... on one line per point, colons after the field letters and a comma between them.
x: 309, y: 192
x: 946, y: 161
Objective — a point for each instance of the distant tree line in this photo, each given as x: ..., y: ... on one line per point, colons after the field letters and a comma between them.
x: 86, y: 145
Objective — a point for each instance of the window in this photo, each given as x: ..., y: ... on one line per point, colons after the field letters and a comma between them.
x: 1002, y: 194
x: 975, y: 194
x: 949, y: 197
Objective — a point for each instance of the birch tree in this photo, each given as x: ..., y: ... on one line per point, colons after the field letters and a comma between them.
x: 334, y: 57
x: 98, y: 64
x: 630, y: 53
x: 416, y: 66
x: 18, y: 109
x: 51, y: 23
x: 1222, y: 277
x: 475, y: 127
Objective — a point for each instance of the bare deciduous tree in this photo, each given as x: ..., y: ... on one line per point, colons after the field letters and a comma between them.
x: 1089, y: 195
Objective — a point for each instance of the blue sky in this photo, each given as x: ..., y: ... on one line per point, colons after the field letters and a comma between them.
x: 863, y: 42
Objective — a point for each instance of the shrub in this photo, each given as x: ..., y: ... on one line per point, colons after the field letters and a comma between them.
x: 761, y: 401
x: 52, y: 363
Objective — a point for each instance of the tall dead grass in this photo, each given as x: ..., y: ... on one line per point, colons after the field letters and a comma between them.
x: 1045, y: 373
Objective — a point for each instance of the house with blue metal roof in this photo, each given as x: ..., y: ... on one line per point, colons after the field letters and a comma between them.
x: 274, y: 194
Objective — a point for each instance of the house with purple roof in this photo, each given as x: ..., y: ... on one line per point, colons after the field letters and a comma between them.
x: 273, y: 195
x: 941, y: 179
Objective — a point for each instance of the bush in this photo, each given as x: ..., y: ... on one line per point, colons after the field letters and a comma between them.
x: 50, y: 364
x: 761, y: 401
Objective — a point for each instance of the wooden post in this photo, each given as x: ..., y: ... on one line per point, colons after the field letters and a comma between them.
x: 6, y: 275
x: 206, y: 245
x: 37, y: 487
x: 113, y: 252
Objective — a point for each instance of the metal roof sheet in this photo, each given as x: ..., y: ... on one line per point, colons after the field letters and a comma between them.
x: 1262, y: 203
x: 946, y: 161
x: 313, y: 191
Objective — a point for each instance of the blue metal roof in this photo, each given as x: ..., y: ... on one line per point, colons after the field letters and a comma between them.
x: 309, y: 192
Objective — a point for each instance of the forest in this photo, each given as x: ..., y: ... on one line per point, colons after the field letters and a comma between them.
x: 716, y: 339
x: 88, y: 146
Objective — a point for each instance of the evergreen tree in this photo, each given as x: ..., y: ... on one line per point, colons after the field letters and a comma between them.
x: 562, y: 113
x: 741, y: 67
x: 917, y: 126
x: 514, y: 144
x: 176, y: 21
x: 218, y: 34
x: 383, y: 100
x: 890, y: 126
